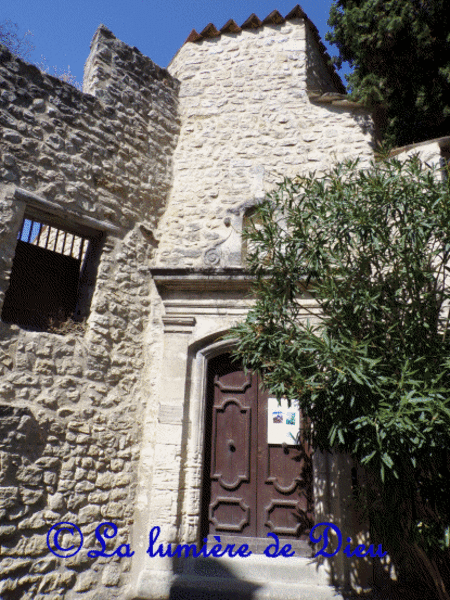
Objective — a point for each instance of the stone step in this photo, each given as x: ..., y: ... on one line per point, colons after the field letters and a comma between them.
x: 257, y: 568
x: 224, y: 588
x: 256, y: 577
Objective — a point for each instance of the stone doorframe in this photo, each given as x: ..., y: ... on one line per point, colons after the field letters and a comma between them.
x: 331, y: 474
x: 199, y: 310
x: 192, y: 508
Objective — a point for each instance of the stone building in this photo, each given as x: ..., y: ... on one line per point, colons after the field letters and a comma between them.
x: 118, y: 402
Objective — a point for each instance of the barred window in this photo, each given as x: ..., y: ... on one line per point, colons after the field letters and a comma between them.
x: 53, y: 274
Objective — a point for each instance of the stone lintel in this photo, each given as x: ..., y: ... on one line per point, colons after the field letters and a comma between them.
x: 84, y: 224
x: 204, y: 280
x: 334, y: 99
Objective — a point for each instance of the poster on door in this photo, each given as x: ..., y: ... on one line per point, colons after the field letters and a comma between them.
x: 283, y: 422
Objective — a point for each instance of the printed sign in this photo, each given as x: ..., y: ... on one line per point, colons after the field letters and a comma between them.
x: 283, y: 422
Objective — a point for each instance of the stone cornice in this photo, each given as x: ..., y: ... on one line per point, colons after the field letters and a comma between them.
x: 202, y: 280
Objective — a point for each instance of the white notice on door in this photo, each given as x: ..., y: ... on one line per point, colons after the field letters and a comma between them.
x: 283, y: 422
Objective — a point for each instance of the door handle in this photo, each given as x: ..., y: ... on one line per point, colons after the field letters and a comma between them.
x: 231, y: 445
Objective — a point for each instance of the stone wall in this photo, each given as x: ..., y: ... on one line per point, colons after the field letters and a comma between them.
x: 248, y: 122
x: 143, y: 155
x: 71, y: 400
x: 319, y: 77
x: 435, y: 153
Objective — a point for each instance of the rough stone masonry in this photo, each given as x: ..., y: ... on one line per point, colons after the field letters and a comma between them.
x: 71, y: 403
x: 163, y: 165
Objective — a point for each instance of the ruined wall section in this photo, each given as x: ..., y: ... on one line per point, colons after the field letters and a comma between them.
x: 71, y: 400
x: 133, y: 86
x: 247, y: 122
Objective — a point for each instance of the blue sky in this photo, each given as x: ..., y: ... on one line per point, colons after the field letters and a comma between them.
x: 63, y: 29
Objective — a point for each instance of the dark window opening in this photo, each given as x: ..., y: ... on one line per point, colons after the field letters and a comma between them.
x: 53, y: 275
x: 249, y: 220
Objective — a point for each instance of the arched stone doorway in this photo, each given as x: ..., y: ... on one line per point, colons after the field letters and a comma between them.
x: 199, y: 308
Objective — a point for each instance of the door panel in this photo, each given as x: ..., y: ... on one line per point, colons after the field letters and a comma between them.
x: 231, y: 451
x: 252, y: 488
x: 284, y: 493
x: 232, y: 507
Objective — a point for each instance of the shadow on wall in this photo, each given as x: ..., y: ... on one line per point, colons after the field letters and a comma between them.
x: 23, y: 493
x: 21, y: 436
x: 207, y: 579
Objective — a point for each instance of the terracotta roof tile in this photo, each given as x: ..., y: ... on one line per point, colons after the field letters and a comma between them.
x: 252, y: 22
x: 296, y: 13
x: 193, y: 37
x: 210, y: 31
x: 275, y: 18
x: 230, y: 27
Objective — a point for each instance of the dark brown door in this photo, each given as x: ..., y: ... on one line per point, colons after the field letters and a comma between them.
x: 251, y: 487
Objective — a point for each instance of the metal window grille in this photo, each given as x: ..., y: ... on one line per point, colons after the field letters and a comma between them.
x: 52, y: 238
x: 47, y: 282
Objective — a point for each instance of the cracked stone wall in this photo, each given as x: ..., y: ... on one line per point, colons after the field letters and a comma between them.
x: 248, y: 122
x: 70, y: 402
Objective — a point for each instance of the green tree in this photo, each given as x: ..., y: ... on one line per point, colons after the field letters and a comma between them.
x: 400, y: 54
x: 370, y: 366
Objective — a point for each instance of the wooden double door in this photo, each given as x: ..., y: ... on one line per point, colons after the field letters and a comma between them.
x: 251, y: 487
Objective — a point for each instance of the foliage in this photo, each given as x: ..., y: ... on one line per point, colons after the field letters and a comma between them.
x: 65, y: 75
x: 368, y: 354
x: 22, y: 47
x: 9, y: 37
x: 400, y: 53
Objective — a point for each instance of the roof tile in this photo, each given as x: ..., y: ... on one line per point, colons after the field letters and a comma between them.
x: 252, y: 22
x: 230, y: 27
x: 193, y: 37
x: 210, y: 31
x: 275, y: 18
x: 296, y: 13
